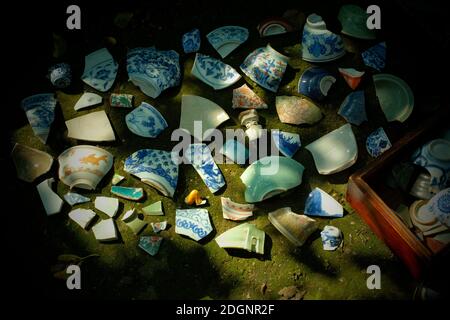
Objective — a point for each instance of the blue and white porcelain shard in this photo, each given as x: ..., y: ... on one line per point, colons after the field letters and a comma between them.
x: 395, y: 97
x: 315, y: 83
x: 270, y: 176
x: 375, y: 57
x: 60, y: 75
x: 286, y: 142
x: 331, y: 238
x: 353, y: 108
x: 214, y: 72
x: 73, y: 198
x: 377, y: 143
x: 152, y: 70
x: 193, y: 223
x: 199, y: 155
x: 100, y: 70
x: 439, y: 206
x: 434, y: 156
x: 40, y: 111
x: 156, y: 168
x: 146, y: 121
x: 318, y: 43
x: 266, y: 67
x: 227, y: 38
x: 235, y: 151
x: 191, y: 41
x: 335, y: 151
x: 319, y: 203
x: 88, y: 99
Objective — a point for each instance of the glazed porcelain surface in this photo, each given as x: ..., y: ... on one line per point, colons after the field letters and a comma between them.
x: 105, y: 230
x: 40, y: 111
x: 146, y: 121
x: 353, y: 108
x: 100, y: 70
x: 94, y: 126
x: 245, y: 98
x: 107, y: 205
x: 213, y: 72
x: 270, y: 176
x: 266, y: 67
x: 121, y: 100
x: 191, y: 41
x: 377, y: 143
x: 335, y: 151
x: 60, y: 75
x: 235, y: 151
x: 354, y: 22
x: 296, y: 110
x: 117, y: 178
x: 236, y: 211
x: 51, y: 201
x: 352, y: 76
x: 375, y: 57
x: 194, y: 198
x: 315, y: 83
x: 30, y: 163
x: 88, y: 99
x: 421, y: 188
x: 319, y: 203
x: 150, y: 244
x: 155, y: 209
x: 286, y: 142
x: 129, y: 193
x: 159, y: 226
x: 395, y: 96
x: 73, y: 198
x: 439, y: 206
x: 227, y: 38
x: 245, y: 236
x: 82, y: 216
x: 274, y: 26
x: 84, y: 166
x: 331, y: 238
x: 194, y: 223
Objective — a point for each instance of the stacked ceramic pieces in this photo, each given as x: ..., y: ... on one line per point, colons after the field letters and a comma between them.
x: 152, y: 70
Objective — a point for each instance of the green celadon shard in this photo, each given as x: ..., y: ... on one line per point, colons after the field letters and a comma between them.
x: 128, y: 193
x: 155, y: 209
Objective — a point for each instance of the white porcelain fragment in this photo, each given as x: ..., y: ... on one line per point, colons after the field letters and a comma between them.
x: 105, y: 230
x: 107, y: 205
x: 51, y: 201
x: 94, y: 126
x: 88, y: 99
x: 129, y: 216
x: 82, y: 216
x: 73, y: 198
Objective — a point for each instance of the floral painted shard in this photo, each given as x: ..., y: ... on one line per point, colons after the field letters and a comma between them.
x: 121, y: 100
x: 286, y: 142
x: 194, y: 198
x: 30, y: 163
x: 159, y: 226
x: 146, y: 121
x: 351, y: 76
x: 40, y: 111
x: 73, y: 198
x: 377, y: 143
x: 51, y: 201
x: 100, y: 70
x: 105, y: 230
x: 88, y: 99
x: 213, y: 72
x: 193, y: 223
x: 134, y: 194
x: 245, y: 98
x: 375, y: 56
x: 331, y: 238
x: 129, y: 216
x: 107, y: 205
x: 236, y: 211
x: 227, y: 38
x: 319, y: 203
x: 150, y: 244
x: 82, y: 216
x: 191, y: 41
x: 117, y: 178
x: 155, y: 209
x: 353, y: 108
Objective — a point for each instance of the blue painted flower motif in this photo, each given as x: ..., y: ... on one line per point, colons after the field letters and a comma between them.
x: 353, y: 108
x: 145, y: 121
x: 377, y: 142
x: 321, y: 46
x: 194, y: 223
x: 100, y: 70
x: 40, y: 111
x: 287, y: 143
x: 214, y: 72
x: 191, y: 41
x: 60, y: 75
x: 375, y: 56
x: 331, y: 238
x: 227, y: 35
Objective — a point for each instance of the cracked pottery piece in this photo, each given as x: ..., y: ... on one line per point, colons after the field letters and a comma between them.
x: 60, y: 75
x: 129, y: 216
x: 51, y: 201
x: 121, y: 100
x: 315, y: 83
x: 100, y: 70
x: 274, y: 26
x: 105, y: 230
x: 353, y: 108
x: 30, y: 163
x: 193, y: 223
x: 377, y: 143
x: 331, y: 238
x: 352, y: 76
x: 296, y: 110
x: 117, y: 178
x: 88, y: 99
x: 266, y: 67
x: 245, y: 236
x: 236, y: 211
x: 213, y: 72
x: 286, y: 142
x: 245, y: 98
x: 146, y: 121
x: 321, y: 204
x: 194, y: 198
x: 157, y: 168
x: 94, y: 126
x: 107, y: 205
x: 335, y: 151
x: 82, y: 217
x: 191, y: 41
x: 150, y: 244
x: 40, y: 111
x: 354, y: 22
x: 375, y: 57
x: 73, y: 198
x: 155, y: 209
x: 235, y: 151
x: 270, y: 176
x: 159, y: 226
x: 84, y: 166
x: 295, y: 227
x: 227, y: 38
x: 134, y: 194
x: 201, y: 114
x: 318, y: 43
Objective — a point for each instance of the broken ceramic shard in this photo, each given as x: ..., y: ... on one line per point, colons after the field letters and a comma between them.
x: 82, y: 216
x: 245, y: 236
x: 194, y: 198
x: 236, y: 211
x: 129, y: 216
x: 245, y: 98
x: 40, y: 111
x: 156, y: 168
x: 199, y: 155
x: 249, y: 119
x: 198, y: 115
x: 354, y: 22
x: 191, y: 41
x: 159, y: 226
x: 353, y: 108
x: 105, y: 230
x: 375, y: 56
x: 351, y: 76
x: 88, y: 99
x: 84, y: 166
x: 331, y: 238
x: 424, y: 219
x: 60, y: 75
x: 146, y: 121
x: 295, y: 227
x: 121, y: 100
x: 73, y: 198
x: 266, y: 67
x: 335, y: 151
x: 421, y: 188
x: 193, y: 223
x: 107, y: 205
x: 100, y: 70
x: 286, y: 142
x: 296, y: 110
x: 136, y: 225
x: 439, y: 206
x: 274, y: 26
x: 226, y: 39
x: 213, y: 72
x: 235, y: 151
x: 270, y: 176
x: 94, y: 126
x: 51, y: 201
x: 395, y: 97
x: 155, y: 209
x: 30, y: 163
x: 377, y: 143
x: 315, y: 83
x: 150, y: 244
x: 117, y: 178
x: 319, y: 203
x: 134, y: 194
